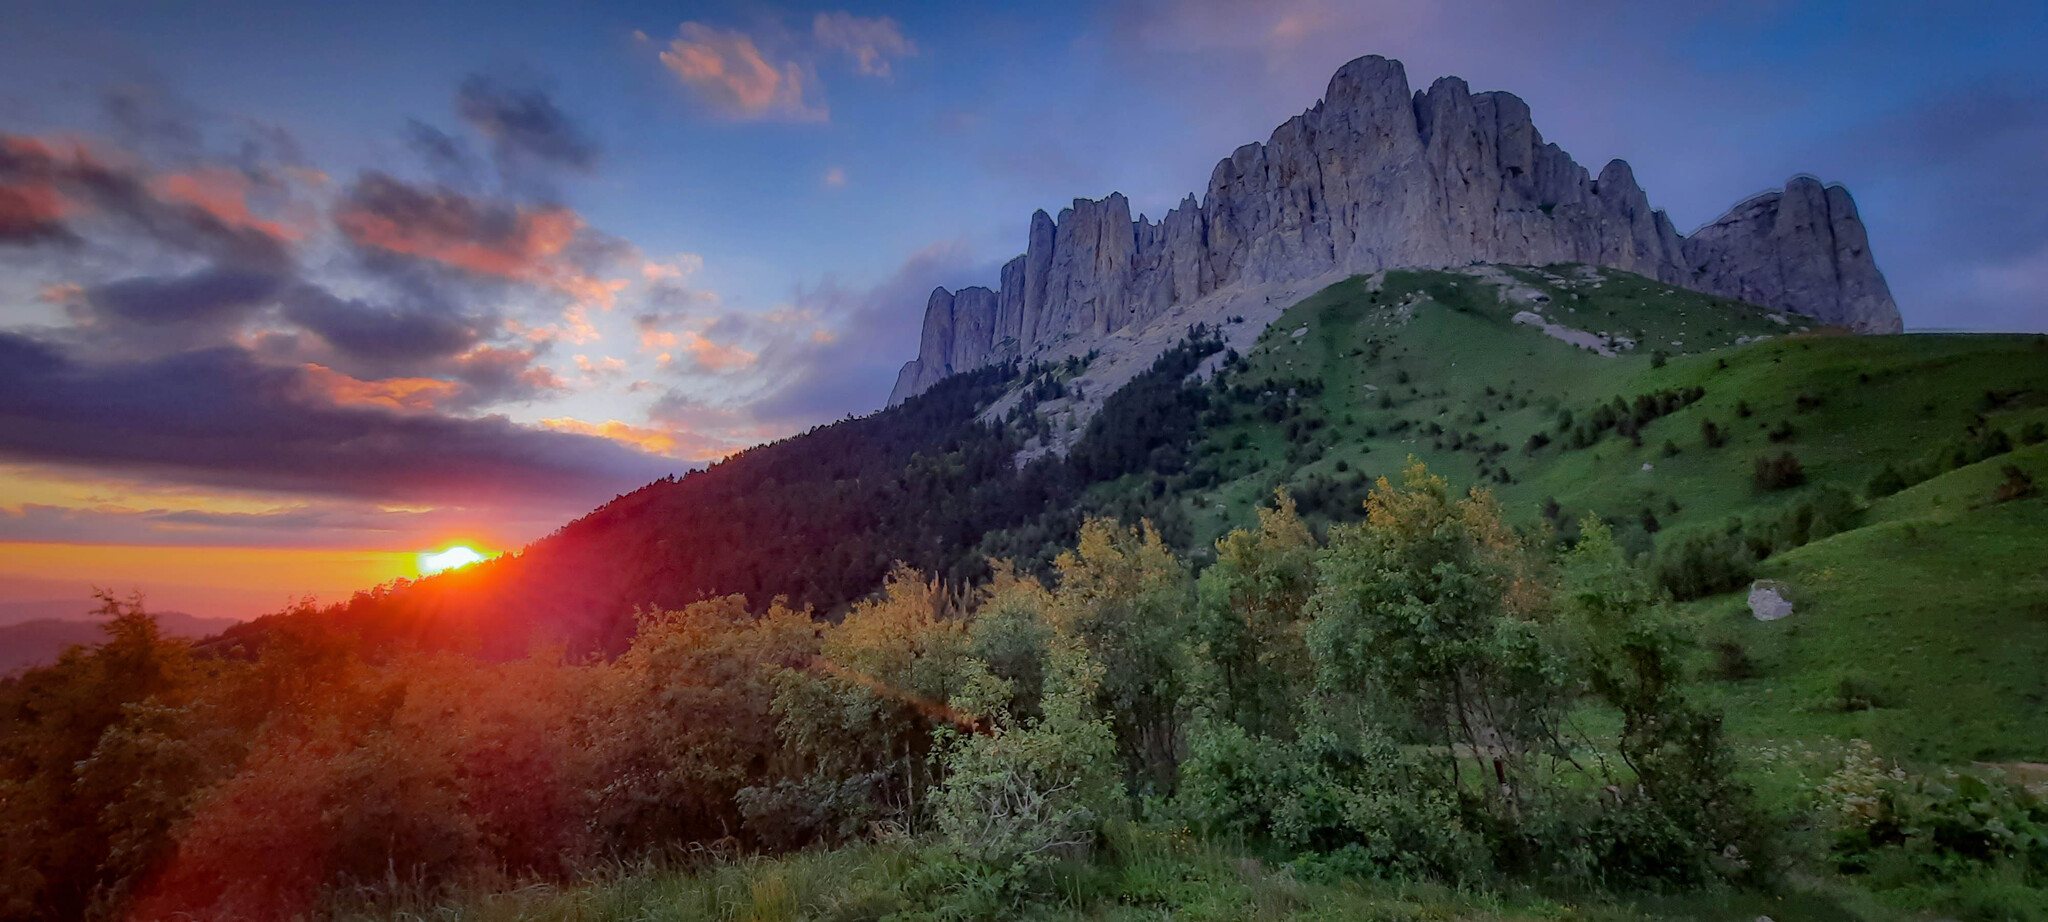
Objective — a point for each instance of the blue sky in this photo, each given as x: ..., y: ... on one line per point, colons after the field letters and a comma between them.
x: 769, y: 191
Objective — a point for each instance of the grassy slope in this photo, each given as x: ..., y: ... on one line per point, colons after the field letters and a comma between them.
x: 1940, y: 600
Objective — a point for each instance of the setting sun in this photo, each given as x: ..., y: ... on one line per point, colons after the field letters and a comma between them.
x: 432, y: 562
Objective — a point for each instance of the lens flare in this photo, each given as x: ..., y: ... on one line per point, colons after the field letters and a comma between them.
x: 433, y: 562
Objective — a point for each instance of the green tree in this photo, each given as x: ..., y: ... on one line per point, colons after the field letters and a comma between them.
x: 1124, y: 595
x: 1429, y: 602
x: 1248, y: 659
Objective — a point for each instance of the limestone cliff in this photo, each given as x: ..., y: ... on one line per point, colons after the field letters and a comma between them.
x: 1374, y: 177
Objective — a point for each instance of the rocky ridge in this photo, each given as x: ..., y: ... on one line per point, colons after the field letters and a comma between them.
x: 1376, y: 177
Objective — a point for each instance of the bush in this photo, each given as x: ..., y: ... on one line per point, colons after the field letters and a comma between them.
x: 1700, y: 564
x: 1884, y: 483
x: 1829, y: 511
x: 1022, y: 796
x: 1712, y: 434
x: 1937, y: 830
x: 1731, y: 662
x: 1780, y: 473
x: 2018, y: 485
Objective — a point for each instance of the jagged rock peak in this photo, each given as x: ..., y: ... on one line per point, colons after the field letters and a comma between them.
x: 1375, y: 176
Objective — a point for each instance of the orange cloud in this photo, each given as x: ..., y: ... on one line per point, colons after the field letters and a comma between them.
x: 224, y: 194
x: 728, y: 71
x: 29, y: 208
x: 669, y: 443
x: 531, y: 250
x: 713, y: 357
x: 605, y: 367
x: 652, y: 441
x: 412, y: 395
x: 537, y: 236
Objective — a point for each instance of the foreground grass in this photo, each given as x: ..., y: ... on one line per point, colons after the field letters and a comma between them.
x: 1145, y: 876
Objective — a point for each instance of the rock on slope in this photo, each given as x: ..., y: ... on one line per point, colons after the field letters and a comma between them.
x: 1375, y: 178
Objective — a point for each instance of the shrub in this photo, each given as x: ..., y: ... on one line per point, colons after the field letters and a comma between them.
x: 1779, y: 473
x: 1855, y: 692
x: 1782, y: 433
x: 1700, y: 564
x: 2018, y: 485
x: 1884, y: 483
x: 2034, y: 434
x: 1827, y: 512
x: 1731, y: 662
x: 1712, y: 434
x: 1026, y: 794
x: 1922, y: 829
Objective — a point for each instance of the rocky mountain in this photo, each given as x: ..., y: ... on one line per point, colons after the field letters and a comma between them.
x: 1376, y: 177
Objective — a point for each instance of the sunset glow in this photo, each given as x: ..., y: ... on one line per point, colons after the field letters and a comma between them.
x: 459, y: 555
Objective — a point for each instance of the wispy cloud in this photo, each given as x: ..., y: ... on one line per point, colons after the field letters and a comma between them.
x: 728, y: 71
x: 771, y: 74
x: 871, y: 43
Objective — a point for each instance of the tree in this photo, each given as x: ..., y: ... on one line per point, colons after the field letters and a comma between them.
x: 1429, y: 602
x: 83, y: 806
x: 1249, y: 661
x: 1122, y: 592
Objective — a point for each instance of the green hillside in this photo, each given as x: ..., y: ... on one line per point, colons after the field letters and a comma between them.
x: 1937, y: 599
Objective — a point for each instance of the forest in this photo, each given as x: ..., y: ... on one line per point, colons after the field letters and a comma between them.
x: 817, y: 519
x: 1426, y: 695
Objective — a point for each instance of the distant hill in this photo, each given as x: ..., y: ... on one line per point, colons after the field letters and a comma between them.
x: 41, y: 609
x: 35, y: 633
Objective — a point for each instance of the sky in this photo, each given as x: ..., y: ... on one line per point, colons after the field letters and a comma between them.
x: 291, y: 293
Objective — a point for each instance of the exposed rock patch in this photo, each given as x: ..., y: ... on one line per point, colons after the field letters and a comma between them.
x: 1767, y: 601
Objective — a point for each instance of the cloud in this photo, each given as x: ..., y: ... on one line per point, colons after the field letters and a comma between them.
x: 652, y: 441
x: 835, y: 177
x: 540, y: 245
x: 188, y: 218
x: 380, y: 333
x: 31, y: 213
x: 603, y: 368
x: 870, y: 42
x: 1950, y: 185
x: 447, y: 158
x: 412, y: 395
x: 714, y: 357
x: 731, y: 75
x: 523, y: 121
x: 499, y: 374
x: 220, y: 417
x: 223, y: 194
x: 830, y: 351
x: 214, y: 296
